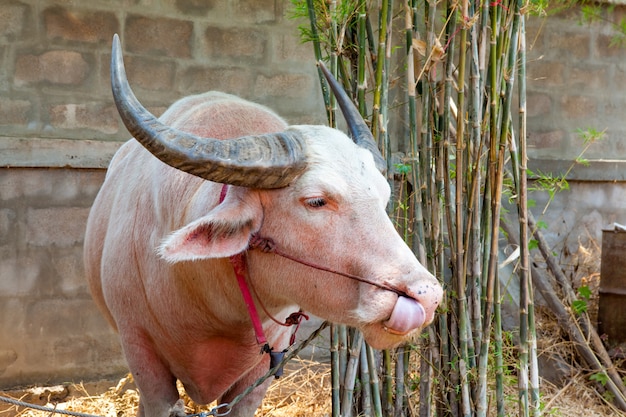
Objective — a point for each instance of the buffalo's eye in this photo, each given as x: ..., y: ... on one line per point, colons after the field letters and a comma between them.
x: 315, y: 202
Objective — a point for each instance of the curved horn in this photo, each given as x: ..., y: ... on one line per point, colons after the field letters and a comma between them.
x: 262, y: 161
x: 361, y: 134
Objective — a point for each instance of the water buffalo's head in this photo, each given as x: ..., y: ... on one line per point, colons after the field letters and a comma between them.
x: 319, y: 195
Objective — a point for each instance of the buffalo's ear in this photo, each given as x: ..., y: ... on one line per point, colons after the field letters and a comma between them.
x: 223, y: 232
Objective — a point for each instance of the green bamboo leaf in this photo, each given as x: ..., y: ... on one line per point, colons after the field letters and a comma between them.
x: 600, y: 377
x: 579, y: 307
x: 403, y: 169
x: 585, y: 292
x: 582, y: 161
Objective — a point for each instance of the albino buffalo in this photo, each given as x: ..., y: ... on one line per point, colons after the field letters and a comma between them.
x: 163, y: 227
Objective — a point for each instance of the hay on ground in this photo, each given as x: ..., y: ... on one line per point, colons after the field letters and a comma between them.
x: 304, y: 390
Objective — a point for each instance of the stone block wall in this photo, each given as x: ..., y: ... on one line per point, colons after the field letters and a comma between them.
x: 576, y: 80
x: 54, y: 76
x: 59, y: 128
x: 50, y: 330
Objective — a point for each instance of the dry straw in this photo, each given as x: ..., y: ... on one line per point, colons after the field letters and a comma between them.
x: 304, y: 391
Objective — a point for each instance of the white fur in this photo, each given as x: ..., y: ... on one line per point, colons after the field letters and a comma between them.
x: 179, y: 311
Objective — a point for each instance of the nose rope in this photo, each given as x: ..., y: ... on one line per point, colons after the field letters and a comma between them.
x: 238, y: 262
x: 267, y: 245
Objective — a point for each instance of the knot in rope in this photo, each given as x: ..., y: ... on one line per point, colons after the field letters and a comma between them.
x: 295, y: 319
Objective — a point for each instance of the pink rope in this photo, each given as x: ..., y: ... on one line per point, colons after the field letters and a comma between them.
x: 268, y: 246
x: 238, y: 263
x: 239, y: 266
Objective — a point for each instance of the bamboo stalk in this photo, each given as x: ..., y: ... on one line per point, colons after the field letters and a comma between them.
x: 351, y: 374
x: 425, y: 408
x: 448, y: 178
x: 333, y: 56
x: 375, y: 382
x: 366, y: 385
x: 400, y: 373
x: 432, y: 157
x: 473, y: 235
x: 362, y: 56
x: 317, y: 49
x: 334, y: 363
x: 461, y: 286
x: 383, y: 133
x: 498, y: 347
x: 380, y: 65
x: 418, y: 243
x: 528, y: 348
x: 510, y: 68
x: 495, y: 170
x: 535, y: 400
x: 387, y: 383
x: 342, y: 355
x: 379, y: 118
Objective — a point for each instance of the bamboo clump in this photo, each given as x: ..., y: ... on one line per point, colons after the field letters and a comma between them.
x: 448, y: 81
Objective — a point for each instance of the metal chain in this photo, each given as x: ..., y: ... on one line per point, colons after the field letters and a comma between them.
x: 50, y: 410
x: 219, y: 410
x: 229, y: 406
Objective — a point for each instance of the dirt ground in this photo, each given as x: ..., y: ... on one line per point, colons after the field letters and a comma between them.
x: 304, y: 390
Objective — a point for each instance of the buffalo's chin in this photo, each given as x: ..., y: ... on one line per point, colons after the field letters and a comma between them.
x: 380, y: 337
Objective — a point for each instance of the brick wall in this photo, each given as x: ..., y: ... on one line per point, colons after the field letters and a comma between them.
x: 54, y: 77
x: 54, y: 67
x: 59, y: 128
x: 576, y: 80
x: 50, y: 330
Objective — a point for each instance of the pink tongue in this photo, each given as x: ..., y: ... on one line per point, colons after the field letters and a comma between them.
x: 407, y: 315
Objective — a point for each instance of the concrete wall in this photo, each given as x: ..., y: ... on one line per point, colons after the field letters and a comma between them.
x: 50, y: 330
x: 576, y: 80
x: 54, y: 74
x: 59, y: 128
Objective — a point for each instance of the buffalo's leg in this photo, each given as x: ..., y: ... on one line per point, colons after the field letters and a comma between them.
x: 157, y: 386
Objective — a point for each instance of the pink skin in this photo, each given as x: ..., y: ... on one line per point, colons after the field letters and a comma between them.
x: 156, y: 253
